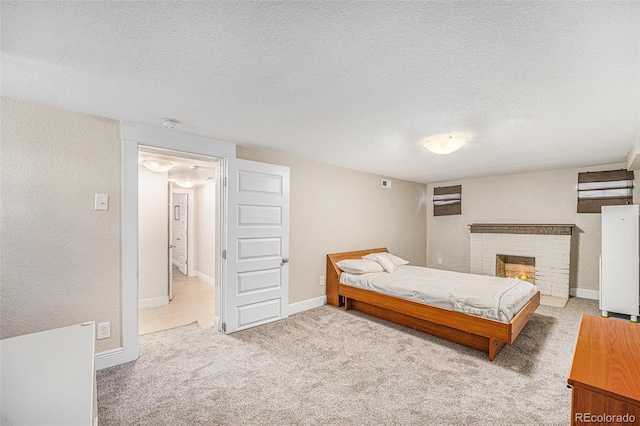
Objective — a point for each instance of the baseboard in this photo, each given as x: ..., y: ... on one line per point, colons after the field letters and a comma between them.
x: 153, y: 302
x: 109, y: 358
x: 305, y: 305
x: 584, y: 294
x: 206, y: 278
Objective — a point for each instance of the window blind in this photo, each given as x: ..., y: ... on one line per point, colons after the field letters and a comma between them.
x: 608, y: 188
x: 447, y: 200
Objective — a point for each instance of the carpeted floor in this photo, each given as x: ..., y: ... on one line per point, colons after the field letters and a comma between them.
x: 330, y: 367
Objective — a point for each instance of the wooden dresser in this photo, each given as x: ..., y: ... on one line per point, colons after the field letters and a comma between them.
x: 605, y: 374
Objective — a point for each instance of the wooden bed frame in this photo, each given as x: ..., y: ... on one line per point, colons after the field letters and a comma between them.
x: 483, y: 334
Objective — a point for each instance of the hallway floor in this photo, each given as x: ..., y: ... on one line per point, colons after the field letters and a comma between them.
x: 192, y: 301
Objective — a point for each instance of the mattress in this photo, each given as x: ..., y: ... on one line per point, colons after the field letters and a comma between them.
x: 485, y: 296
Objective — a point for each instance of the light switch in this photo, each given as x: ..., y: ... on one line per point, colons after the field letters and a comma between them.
x: 102, y: 202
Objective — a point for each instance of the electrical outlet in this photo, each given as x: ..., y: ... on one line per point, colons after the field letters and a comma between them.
x: 439, y: 261
x: 321, y: 280
x: 104, y: 330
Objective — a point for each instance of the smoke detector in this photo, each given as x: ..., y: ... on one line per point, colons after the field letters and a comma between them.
x: 170, y: 123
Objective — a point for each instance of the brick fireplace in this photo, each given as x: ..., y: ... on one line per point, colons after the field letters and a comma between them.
x: 536, y: 253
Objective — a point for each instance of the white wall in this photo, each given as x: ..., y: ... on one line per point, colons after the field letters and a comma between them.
x: 334, y: 209
x: 153, y: 239
x: 60, y: 258
x: 205, y: 232
x: 545, y: 197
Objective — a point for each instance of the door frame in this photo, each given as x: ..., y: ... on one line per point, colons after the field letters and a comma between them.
x: 191, y: 247
x: 134, y: 135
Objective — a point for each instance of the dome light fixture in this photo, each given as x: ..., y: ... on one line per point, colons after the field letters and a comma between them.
x: 184, y: 183
x: 157, y: 165
x: 445, y: 144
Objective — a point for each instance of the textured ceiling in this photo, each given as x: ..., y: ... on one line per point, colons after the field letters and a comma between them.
x: 534, y: 85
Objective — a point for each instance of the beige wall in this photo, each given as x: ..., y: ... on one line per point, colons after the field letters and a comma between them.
x: 335, y: 209
x: 545, y: 197
x: 153, y: 238
x: 60, y: 258
x: 205, y: 236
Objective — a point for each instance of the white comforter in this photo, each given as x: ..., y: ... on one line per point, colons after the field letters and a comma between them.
x: 481, y: 295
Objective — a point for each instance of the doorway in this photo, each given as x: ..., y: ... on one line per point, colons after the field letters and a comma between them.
x: 177, y: 216
x: 235, y: 176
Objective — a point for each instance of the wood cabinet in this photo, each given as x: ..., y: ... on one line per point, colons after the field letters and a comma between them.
x: 605, y: 373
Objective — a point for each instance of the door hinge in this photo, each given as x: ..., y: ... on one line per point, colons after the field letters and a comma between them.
x: 224, y: 254
x: 224, y: 181
x: 224, y: 327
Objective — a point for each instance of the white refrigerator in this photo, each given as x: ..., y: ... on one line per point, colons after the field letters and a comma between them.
x: 619, y: 267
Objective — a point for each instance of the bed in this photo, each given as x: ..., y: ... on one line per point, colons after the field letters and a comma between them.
x: 488, y: 335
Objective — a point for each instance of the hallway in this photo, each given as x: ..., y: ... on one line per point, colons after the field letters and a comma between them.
x: 192, y: 301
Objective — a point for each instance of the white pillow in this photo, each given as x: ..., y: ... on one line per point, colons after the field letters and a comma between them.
x: 359, y: 266
x: 386, y: 261
x: 397, y: 260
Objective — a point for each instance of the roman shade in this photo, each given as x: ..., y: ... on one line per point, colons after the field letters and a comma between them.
x: 608, y: 188
x: 447, y: 200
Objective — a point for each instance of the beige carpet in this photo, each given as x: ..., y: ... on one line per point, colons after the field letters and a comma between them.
x: 330, y: 367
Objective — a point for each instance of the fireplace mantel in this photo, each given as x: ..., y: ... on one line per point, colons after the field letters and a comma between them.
x: 513, y: 228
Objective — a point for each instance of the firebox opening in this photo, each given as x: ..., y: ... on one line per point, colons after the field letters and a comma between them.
x: 520, y: 267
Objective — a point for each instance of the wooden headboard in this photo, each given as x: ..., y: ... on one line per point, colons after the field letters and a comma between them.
x: 333, y: 272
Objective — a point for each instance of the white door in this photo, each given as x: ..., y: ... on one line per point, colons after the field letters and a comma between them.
x: 257, y: 290
x: 180, y: 215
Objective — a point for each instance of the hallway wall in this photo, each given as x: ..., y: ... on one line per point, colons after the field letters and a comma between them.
x: 153, y: 239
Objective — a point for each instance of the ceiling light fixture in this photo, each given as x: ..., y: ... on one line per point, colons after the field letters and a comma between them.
x: 157, y: 165
x: 170, y: 123
x: 445, y: 144
x: 184, y: 183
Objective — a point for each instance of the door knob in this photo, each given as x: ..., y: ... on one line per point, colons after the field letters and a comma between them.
x: 284, y: 260
x: 178, y: 239
x: 171, y: 246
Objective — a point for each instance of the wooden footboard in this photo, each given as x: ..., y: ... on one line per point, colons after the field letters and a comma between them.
x: 479, y: 333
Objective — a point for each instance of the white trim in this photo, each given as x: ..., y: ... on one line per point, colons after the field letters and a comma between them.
x: 132, y: 135
x: 109, y: 358
x: 206, y: 278
x: 153, y: 302
x: 129, y: 256
x: 305, y: 305
x: 584, y: 294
